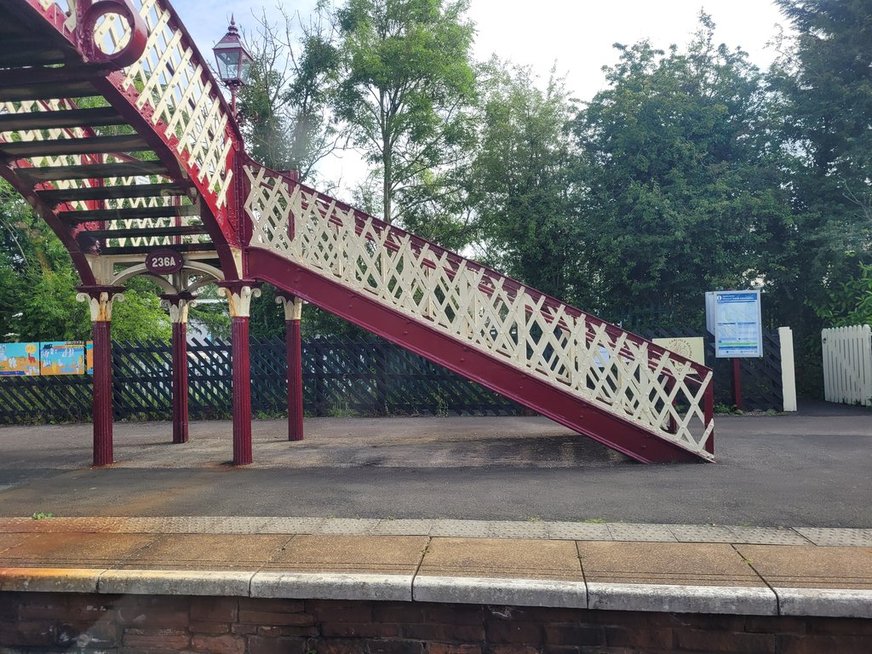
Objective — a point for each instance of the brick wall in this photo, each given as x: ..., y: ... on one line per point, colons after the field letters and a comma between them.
x: 58, y: 622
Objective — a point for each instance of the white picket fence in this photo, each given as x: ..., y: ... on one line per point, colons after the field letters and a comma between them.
x: 847, y: 353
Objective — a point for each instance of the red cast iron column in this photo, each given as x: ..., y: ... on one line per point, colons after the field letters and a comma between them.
x: 100, y: 299
x: 178, y: 306
x: 293, y: 307
x: 239, y: 294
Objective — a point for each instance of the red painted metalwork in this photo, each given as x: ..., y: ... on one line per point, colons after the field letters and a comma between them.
x: 490, y: 278
x: 738, y: 400
x: 180, y: 382
x: 65, y: 235
x: 242, y: 454
x: 221, y: 226
x: 135, y: 45
x: 101, y: 335
x: 561, y: 406
x: 231, y: 232
x: 55, y: 16
x: 102, y: 397
x: 294, y: 353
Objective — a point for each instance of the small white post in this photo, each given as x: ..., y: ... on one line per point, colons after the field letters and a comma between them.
x: 788, y: 369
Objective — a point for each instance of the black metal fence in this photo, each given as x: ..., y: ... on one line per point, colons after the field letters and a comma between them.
x: 761, y: 378
x: 341, y: 376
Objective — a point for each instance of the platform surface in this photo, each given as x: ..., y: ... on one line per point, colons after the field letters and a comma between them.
x: 472, y: 510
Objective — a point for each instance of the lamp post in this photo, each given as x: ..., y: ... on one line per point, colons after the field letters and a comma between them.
x: 233, y: 61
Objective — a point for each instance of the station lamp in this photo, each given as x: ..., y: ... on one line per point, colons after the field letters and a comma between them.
x: 233, y: 60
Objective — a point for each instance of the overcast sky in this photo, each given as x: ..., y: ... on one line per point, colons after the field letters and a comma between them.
x: 576, y: 34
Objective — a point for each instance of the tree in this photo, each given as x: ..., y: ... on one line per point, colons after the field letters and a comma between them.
x: 825, y: 82
x: 285, y: 108
x: 38, y: 300
x: 285, y: 104
x: 404, y: 84
x: 685, y: 179
x: 521, y: 181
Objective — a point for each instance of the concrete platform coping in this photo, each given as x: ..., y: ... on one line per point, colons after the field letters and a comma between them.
x: 617, y: 566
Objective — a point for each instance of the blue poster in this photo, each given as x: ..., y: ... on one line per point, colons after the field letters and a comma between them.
x: 738, y: 324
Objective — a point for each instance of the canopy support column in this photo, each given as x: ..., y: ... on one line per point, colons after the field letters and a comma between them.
x: 100, y: 300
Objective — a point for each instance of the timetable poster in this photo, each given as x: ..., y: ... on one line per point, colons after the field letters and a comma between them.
x: 738, y: 326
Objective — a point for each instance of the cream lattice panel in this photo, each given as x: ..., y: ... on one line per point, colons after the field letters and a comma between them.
x: 561, y: 345
x: 48, y: 134
x: 75, y: 160
x: 68, y: 7
x: 172, y: 81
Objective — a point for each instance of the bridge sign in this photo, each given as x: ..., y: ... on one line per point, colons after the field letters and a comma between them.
x: 164, y: 261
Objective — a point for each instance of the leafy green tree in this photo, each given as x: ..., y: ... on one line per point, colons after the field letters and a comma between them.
x: 439, y: 208
x: 404, y: 84
x: 140, y: 315
x: 13, y: 260
x: 685, y: 179
x: 285, y: 103
x: 849, y: 302
x: 39, y: 301
x: 521, y: 182
x: 825, y: 82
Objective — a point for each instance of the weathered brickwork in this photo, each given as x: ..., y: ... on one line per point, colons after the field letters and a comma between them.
x: 57, y: 622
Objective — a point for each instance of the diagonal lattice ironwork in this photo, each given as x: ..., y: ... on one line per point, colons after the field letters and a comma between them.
x: 617, y: 371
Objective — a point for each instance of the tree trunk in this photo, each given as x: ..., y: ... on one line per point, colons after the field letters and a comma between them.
x: 386, y: 186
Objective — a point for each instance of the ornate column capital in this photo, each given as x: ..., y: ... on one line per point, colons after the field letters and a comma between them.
x: 239, y: 293
x: 292, y: 305
x: 178, y: 305
x: 100, y: 300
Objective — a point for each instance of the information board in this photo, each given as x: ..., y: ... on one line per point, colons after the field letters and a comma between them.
x: 736, y: 319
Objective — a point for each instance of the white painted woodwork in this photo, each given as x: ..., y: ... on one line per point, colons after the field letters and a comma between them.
x: 788, y: 369
x: 847, y: 361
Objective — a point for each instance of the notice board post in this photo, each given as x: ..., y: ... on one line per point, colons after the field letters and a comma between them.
x: 735, y: 320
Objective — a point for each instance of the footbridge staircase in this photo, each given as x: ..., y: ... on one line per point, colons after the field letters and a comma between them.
x: 114, y: 129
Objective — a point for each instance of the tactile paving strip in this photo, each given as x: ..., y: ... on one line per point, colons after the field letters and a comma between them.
x: 403, y: 527
x: 517, y: 529
x: 461, y: 528
x: 348, y: 526
x: 767, y: 536
x: 578, y: 531
x: 702, y: 533
x: 837, y: 537
x: 641, y: 532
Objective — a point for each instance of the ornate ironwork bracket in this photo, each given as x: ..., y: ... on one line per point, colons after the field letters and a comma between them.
x: 86, y: 33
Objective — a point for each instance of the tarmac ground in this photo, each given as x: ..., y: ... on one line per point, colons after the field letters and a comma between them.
x: 804, y: 470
